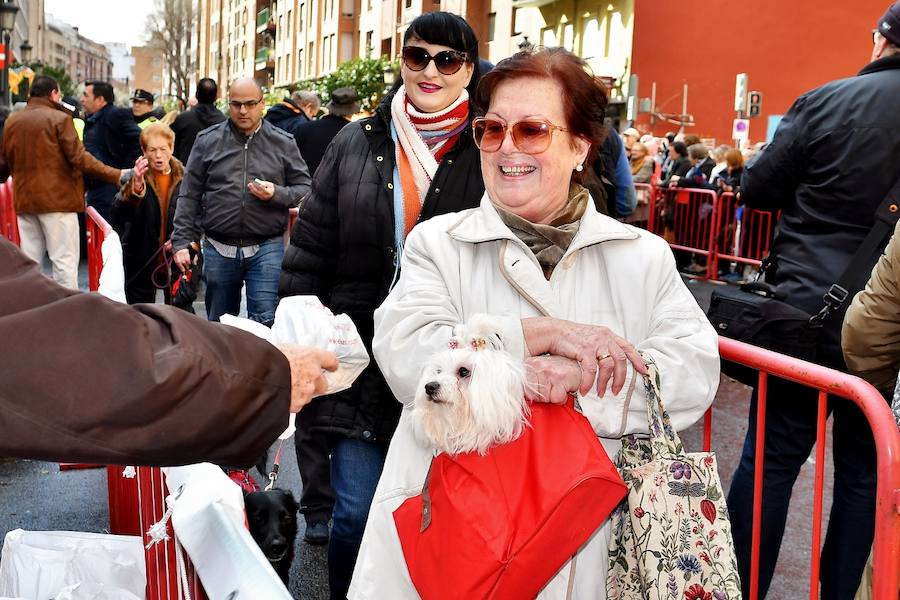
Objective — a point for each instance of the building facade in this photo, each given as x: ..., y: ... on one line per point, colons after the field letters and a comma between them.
x: 147, y: 73
x: 290, y: 41
x: 785, y: 52
x: 57, y: 44
x: 89, y: 60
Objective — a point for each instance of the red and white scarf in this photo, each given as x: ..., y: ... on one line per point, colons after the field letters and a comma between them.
x: 423, y: 139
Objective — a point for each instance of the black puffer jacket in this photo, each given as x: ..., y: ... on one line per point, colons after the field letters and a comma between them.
x: 342, y: 250
x: 832, y: 161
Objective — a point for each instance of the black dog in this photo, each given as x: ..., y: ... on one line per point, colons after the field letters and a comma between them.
x: 272, y: 517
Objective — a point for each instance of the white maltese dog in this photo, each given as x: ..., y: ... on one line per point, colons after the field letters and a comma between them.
x: 472, y: 395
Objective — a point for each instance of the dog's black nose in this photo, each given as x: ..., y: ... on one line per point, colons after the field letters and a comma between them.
x: 432, y: 387
x: 278, y: 547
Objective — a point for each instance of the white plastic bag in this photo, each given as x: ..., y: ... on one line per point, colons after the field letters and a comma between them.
x: 304, y: 320
x: 112, y: 275
x: 71, y: 565
x: 208, y: 518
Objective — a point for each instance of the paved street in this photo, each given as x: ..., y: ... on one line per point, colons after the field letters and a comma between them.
x: 36, y: 495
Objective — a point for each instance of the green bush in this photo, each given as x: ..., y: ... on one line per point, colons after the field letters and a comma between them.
x: 365, y: 75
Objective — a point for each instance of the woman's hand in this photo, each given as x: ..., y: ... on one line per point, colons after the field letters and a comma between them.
x: 551, y: 378
x: 600, y: 352
x: 141, y: 165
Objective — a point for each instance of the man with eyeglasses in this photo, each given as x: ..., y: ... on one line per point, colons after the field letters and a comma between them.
x: 242, y: 177
x: 831, y: 163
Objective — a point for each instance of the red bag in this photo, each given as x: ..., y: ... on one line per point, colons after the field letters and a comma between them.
x: 502, y: 525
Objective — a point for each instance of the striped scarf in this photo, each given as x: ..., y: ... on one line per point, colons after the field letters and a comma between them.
x: 424, y: 138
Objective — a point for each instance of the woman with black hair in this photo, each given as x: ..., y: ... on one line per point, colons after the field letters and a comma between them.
x: 413, y: 159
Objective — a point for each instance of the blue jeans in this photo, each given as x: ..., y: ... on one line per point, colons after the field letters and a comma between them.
x: 790, y: 435
x: 355, y: 469
x: 224, y: 278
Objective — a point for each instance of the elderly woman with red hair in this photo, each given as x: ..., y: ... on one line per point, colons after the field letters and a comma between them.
x: 575, y: 294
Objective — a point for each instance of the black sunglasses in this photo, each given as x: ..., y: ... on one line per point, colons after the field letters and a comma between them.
x: 447, y: 62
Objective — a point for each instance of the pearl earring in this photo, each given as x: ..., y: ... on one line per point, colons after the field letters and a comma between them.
x: 579, y: 168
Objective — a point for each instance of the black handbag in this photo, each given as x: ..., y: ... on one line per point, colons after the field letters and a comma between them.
x: 757, y: 313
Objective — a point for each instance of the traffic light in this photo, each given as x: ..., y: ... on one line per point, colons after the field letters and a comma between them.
x: 740, y: 92
x: 755, y: 104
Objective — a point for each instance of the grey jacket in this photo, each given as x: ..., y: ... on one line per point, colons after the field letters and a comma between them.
x: 214, y: 198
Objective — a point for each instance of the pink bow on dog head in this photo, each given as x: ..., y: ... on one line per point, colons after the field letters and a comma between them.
x: 475, y: 342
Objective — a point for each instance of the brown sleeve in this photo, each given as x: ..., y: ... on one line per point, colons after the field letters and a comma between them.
x: 91, y: 380
x: 871, y: 333
x: 81, y: 158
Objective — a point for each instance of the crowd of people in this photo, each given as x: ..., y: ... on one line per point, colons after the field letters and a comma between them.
x: 472, y: 189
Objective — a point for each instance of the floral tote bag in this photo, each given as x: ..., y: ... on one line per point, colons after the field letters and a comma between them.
x: 671, y: 535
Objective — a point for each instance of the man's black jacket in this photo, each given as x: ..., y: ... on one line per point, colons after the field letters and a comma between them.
x: 832, y: 161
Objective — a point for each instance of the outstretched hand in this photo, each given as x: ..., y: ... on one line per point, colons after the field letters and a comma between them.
x: 307, y: 372
x: 141, y: 165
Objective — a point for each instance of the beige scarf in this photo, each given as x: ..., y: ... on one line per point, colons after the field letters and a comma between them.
x: 549, y: 242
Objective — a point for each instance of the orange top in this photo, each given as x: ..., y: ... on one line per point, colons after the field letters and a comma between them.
x: 163, y: 184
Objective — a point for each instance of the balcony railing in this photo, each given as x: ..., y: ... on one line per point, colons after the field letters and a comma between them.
x: 263, y: 54
x: 265, y: 59
x: 265, y: 21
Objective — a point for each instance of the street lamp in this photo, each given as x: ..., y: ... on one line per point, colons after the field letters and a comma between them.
x: 25, y: 52
x: 8, y: 12
x: 389, y: 77
x: 25, y: 58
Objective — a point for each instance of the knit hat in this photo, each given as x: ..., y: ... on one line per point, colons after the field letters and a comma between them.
x: 889, y: 24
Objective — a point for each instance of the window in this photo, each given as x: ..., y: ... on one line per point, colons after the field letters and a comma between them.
x: 300, y: 17
x: 569, y: 37
x: 300, y: 65
x: 408, y: 3
x: 548, y: 37
x: 369, y: 47
x: 591, y: 42
x: 243, y: 52
x: 491, y: 24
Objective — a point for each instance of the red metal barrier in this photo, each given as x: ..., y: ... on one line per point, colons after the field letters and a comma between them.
x: 162, y: 569
x: 743, y: 241
x: 97, y: 228
x: 685, y: 218
x: 643, y: 193
x: 9, y: 227
x: 887, y: 443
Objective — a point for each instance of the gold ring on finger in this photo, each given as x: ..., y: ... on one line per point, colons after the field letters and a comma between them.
x: 605, y: 356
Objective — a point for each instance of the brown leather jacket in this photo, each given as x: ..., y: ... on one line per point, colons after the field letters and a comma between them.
x: 871, y: 333
x: 47, y: 160
x: 86, y: 379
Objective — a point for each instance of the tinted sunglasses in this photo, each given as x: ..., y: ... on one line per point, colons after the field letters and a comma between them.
x: 531, y: 136
x: 447, y: 62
